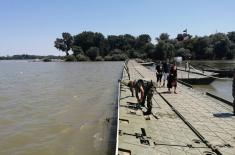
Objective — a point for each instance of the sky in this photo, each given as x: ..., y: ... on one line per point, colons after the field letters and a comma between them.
x: 31, y: 26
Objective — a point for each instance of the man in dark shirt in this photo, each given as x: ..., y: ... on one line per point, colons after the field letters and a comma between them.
x: 146, y: 89
x: 159, y: 71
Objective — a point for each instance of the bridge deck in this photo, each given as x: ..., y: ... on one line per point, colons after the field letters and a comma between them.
x: 185, y: 123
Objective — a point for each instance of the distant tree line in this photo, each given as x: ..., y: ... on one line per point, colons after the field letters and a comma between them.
x: 95, y: 46
x: 28, y: 57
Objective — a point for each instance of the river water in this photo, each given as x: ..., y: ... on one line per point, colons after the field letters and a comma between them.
x: 221, y: 87
x: 58, y: 108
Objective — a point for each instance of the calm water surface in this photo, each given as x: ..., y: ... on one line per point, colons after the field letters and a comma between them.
x: 57, y: 108
x: 220, y: 87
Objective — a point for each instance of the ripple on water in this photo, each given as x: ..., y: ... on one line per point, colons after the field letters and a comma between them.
x: 4, y: 98
x: 97, y: 140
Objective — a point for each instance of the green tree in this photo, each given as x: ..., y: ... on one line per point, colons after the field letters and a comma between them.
x: 148, y: 49
x: 116, y: 47
x: 89, y: 39
x: 170, y: 51
x: 209, y: 54
x: 64, y: 44
x: 199, y: 46
x: 164, y: 50
x: 184, y: 53
x: 77, y: 50
x: 119, y: 57
x: 92, y: 53
x: 99, y: 58
x: 231, y: 36
x: 163, y: 37
x: 69, y: 58
x: 159, y: 53
x: 81, y: 57
x: 142, y: 40
x: 129, y: 41
x: 230, y: 54
x: 221, y: 45
x: 221, y: 48
x: 118, y: 42
x: 132, y: 53
x: 116, y: 51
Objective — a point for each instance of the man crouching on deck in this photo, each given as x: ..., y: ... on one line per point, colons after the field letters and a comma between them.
x: 146, y: 89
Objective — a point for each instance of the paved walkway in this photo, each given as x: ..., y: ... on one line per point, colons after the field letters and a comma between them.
x: 185, y: 123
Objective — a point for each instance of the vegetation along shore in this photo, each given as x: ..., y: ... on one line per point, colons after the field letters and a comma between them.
x: 94, y: 46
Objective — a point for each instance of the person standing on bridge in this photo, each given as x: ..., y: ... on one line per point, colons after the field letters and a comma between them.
x: 234, y: 92
x: 159, y: 71
x: 166, y: 69
x: 172, y: 79
x: 146, y: 89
